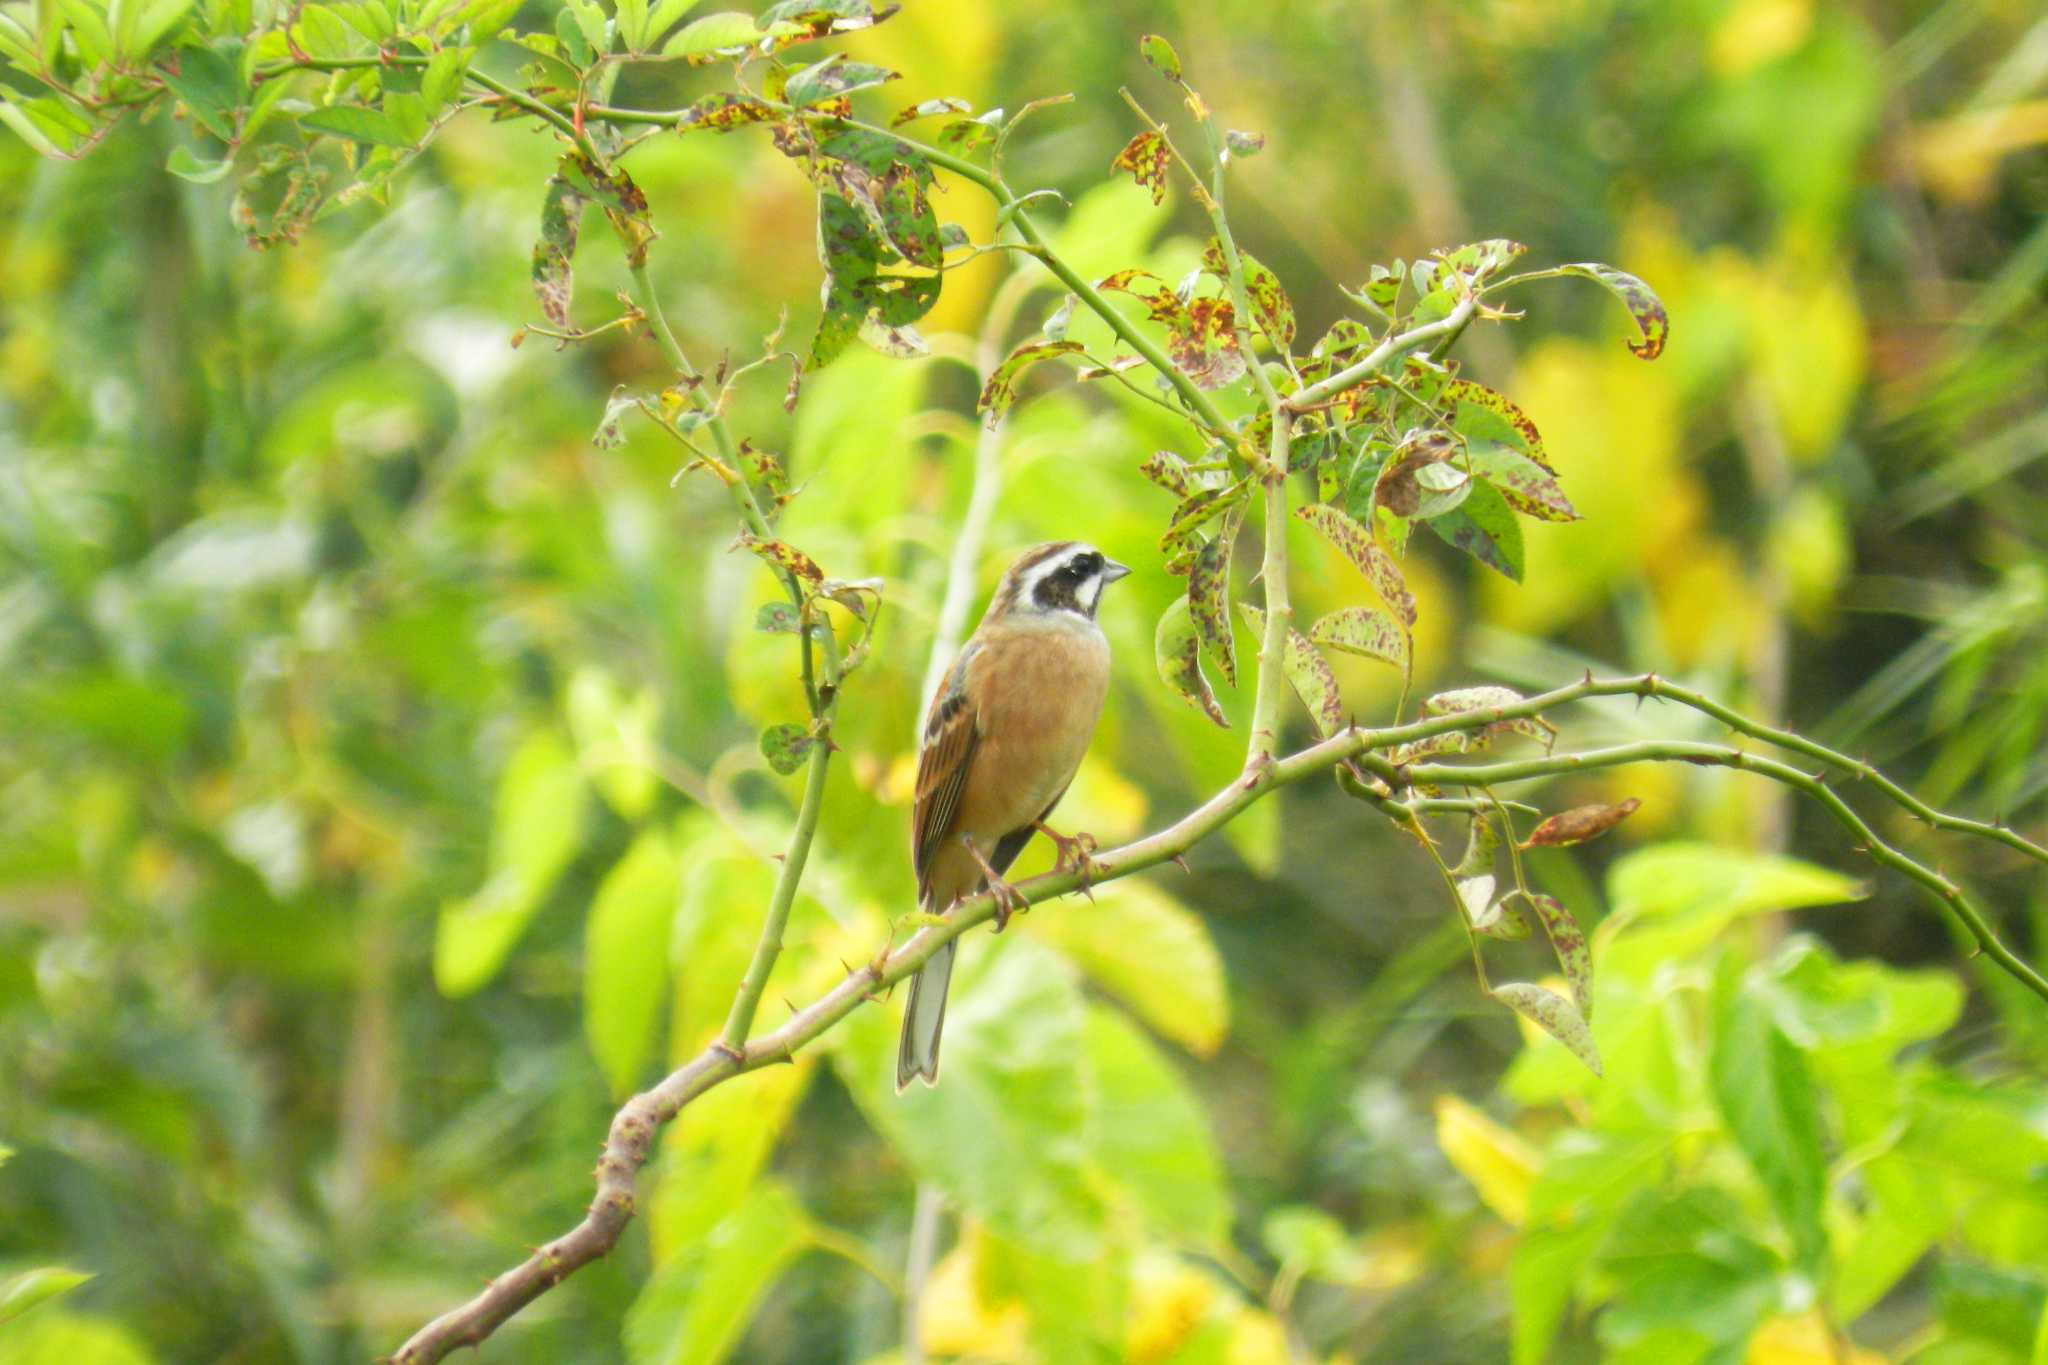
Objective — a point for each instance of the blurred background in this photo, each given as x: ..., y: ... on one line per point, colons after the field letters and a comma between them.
x: 382, y: 800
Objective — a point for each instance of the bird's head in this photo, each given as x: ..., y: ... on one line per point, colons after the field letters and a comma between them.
x: 1062, y: 576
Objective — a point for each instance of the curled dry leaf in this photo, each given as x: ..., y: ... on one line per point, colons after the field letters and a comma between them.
x: 1579, y: 824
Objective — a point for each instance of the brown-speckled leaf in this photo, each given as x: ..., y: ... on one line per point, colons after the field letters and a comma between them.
x: 1553, y: 1014
x: 907, y: 217
x: 1204, y: 346
x: 1146, y: 158
x: 723, y: 113
x: 1307, y: 671
x: 1160, y: 56
x: 786, y: 746
x: 1170, y: 472
x: 1363, y: 631
x: 623, y: 203
x: 554, y: 281
x: 1001, y: 389
x: 1357, y: 545
x: 1485, y: 527
x: 1642, y: 303
x: 784, y: 556
x: 832, y: 77
x: 1209, y: 593
x: 1490, y: 701
x: 1482, y: 414
x: 946, y: 105
x: 1178, y: 654
x: 1569, y: 943
x: 1579, y: 824
x: 1271, y: 308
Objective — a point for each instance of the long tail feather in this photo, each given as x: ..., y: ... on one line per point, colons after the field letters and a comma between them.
x: 917, y: 1054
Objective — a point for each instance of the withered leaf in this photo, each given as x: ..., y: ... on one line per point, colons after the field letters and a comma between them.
x: 1579, y: 824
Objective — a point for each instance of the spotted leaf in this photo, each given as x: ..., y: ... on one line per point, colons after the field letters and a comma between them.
x: 1000, y: 392
x: 1209, y: 593
x: 1271, y: 308
x: 1365, y: 632
x: 1358, y: 546
x: 1553, y: 1014
x: 1146, y: 159
x: 1579, y: 825
x: 554, y: 281
x: 1178, y: 653
x: 1308, y: 672
x: 1653, y: 325
x: 723, y: 113
x: 784, y: 556
x: 786, y: 746
x: 1568, y: 941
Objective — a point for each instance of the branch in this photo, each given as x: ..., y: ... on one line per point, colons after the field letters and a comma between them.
x: 1272, y: 687
x: 1335, y: 384
x: 633, y: 1129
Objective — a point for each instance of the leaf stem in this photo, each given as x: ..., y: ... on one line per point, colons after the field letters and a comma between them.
x: 1351, y: 374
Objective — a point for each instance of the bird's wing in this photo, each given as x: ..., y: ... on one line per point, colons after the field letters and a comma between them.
x: 950, y: 734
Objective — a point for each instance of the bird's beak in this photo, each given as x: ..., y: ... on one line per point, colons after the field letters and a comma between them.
x: 1112, y: 571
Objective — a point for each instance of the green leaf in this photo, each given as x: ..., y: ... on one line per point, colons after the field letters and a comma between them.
x: 625, y: 959
x: 1484, y: 527
x: 1363, y: 631
x: 576, y: 45
x: 1553, y: 1014
x: 1151, y: 953
x: 1178, y: 654
x: 442, y: 80
x: 536, y: 829
x: 1666, y: 901
x: 139, y: 27
x: 210, y: 88
x: 906, y: 213
x: 1308, y: 672
x: 1311, y: 1244
x: 1004, y: 1132
x: 1644, y: 307
x: 663, y: 18
x: 1766, y: 1097
x: 614, y: 739
x: 1148, y: 1136
x: 777, y: 618
x: 1357, y: 545
x: 713, y: 38
x: 1160, y: 56
x: 19, y: 1293
x: 356, y: 123
x: 186, y: 166
x: 698, y: 1303
x: 999, y: 394
x: 786, y: 746
x: 632, y: 21
x: 833, y: 77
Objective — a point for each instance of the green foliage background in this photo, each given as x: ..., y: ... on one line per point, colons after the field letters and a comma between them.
x: 383, y: 798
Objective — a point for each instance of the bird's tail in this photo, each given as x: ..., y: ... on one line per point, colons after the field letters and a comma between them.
x: 918, y: 1052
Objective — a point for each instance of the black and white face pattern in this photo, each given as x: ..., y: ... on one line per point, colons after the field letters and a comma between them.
x: 1067, y: 576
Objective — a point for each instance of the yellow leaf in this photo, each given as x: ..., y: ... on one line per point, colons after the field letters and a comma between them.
x: 1500, y: 1164
x: 1169, y: 1299
x: 1805, y: 1340
x: 1757, y: 32
x: 953, y: 1320
x: 1958, y: 158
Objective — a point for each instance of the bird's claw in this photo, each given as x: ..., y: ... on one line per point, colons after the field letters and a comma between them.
x: 1073, y: 853
x: 1008, y: 901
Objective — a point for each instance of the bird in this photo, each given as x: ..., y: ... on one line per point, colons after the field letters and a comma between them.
x: 1005, y: 734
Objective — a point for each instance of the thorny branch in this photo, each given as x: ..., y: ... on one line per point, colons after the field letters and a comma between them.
x: 634, y: 1128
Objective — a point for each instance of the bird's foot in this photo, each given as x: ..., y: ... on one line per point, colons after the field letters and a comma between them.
x: 1008, y: 900
x: 1073, y: 853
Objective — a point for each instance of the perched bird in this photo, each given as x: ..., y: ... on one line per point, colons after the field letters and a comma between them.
x: 1004, y: 737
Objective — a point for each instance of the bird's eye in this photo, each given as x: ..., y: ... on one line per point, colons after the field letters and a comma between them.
x: 1082, y: 566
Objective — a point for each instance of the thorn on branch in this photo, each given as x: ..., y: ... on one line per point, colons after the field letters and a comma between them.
x: 1180, y: 860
